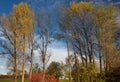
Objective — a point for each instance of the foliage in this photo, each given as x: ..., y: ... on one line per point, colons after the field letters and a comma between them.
x: 23, y: 17
x: 78, y: 8
x: 55, y: 69
x: 101, y: 77
x: 37, y: 77
x: 90, y: 30
x: 15, y: 26
x: 113, y: 75
x: 84, y: 72
x: 65, y: 71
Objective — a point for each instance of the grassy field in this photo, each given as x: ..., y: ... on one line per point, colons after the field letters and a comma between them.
x: 26, y: 81
x: 9, y: 81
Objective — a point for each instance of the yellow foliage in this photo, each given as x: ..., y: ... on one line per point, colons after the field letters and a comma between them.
x: 105, y: 16
x: 79, y: 7
x: 18, y: 23
x: 23, y: 17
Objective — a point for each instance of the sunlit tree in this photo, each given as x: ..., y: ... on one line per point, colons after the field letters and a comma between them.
x: 90, y: 30
x: 16, y: 27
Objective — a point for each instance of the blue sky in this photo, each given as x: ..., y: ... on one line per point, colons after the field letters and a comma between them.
x: 6, y: 6
x: 3, y: 64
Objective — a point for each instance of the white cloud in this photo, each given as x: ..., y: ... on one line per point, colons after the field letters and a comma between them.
x: 57, y: 54
x: 3, y: 73
x: 2, y: 67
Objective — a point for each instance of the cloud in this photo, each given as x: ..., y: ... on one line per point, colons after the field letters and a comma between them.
x: 2, y: 67
x: 57, y: 54
x: 3, y: 70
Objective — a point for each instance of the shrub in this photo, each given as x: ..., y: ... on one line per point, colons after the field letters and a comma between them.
x: 37, y: 77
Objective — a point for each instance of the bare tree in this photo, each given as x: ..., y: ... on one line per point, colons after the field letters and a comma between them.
x: 44, y: 38
x: 31, y: 52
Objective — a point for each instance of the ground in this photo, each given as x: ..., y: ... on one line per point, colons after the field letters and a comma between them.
x: 25, y: 81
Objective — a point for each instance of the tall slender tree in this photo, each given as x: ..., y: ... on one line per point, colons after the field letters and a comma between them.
x: 44, y: 38
x: 16, y: 29
x: 9, y: 41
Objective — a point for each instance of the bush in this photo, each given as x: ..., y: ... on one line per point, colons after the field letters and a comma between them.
x: 37, y: 77
x: 5, y: 76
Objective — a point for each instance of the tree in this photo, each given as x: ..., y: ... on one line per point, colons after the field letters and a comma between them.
x: 24, y: 18
x: 84, y: 73
x: 105, y: 34
x: 9, y: 41
x: 16, y: 27
x: 90, y: 30
x: 44, y: 38
x: 31, y: 41
x: 70, y: 61
x: 79, y: 30
x: 64, y: 34
x: 55, y: 69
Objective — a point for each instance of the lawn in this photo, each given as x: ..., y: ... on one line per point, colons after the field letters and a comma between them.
x: 63, y: 80
x: 26, y: 81
x: 10, y: 81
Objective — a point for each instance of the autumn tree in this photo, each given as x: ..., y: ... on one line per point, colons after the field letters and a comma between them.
x: 24, y: 17
x: 16, y: 27
x: 79, y: 30
x: 44, y: 38
x: 63, y: 34
x: 106, y: 23
x: 9, y: 41
x: 90, y: 30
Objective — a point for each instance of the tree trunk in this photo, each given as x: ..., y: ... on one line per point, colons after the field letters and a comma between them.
x: 15, y: 70
x: 69, y: 61
x: 23, y: 70
x: 76, y: 63
x: 100, y: 63
x: 15, y: 60
x: 31, y: 62
x: 43, y: 78
x: 31, y: 68
x: 100, y: 57
x: 23, y: 64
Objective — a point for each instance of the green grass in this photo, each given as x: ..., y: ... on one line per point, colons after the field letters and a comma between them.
x: 26, y: 81
x: 63, y: 80
x: 4, y: 81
